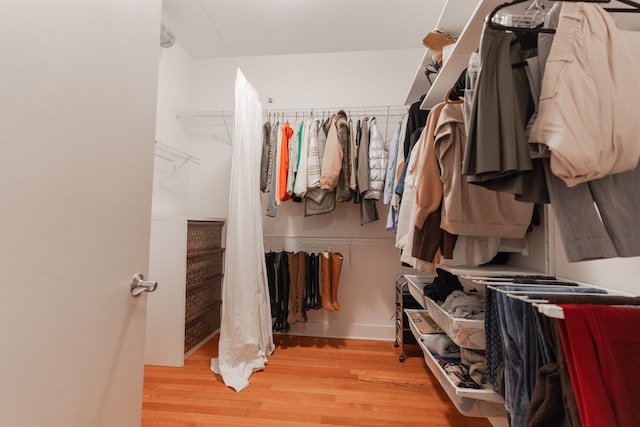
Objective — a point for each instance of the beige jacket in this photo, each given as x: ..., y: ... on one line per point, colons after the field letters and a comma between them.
x: 332, y: 160
x: 468, y: 209
x: 588, y: 111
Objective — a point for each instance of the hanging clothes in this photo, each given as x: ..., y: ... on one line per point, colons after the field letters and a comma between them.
x: 245, y: 330
x: 332, y: 160
x: 400, y: 163
x: 392, y: 216
x: 319, y: 201
x: 391, y: 165
x: 592, y: 66
x: 301, y: 178
x: 497, y: 151
x: 293, y: 145
x: 313, y: 157
x: 604, y: 208
x: 404, y: 234
x: 427, y: 235
x: 368, y: 208
x: 343, y: 187
x: 272, y: 204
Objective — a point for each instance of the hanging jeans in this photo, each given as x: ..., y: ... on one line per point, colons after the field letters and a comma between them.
x: 525, y: 349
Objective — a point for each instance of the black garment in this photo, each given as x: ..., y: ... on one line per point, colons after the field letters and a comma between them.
x: 357, y: 198
x: 417, y: 118
x: 442, y: 286
x: 457, y: 90
x: 282, y: 284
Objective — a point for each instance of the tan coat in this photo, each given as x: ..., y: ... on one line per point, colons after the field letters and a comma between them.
x: 332, y: 160
x: 468, y: 209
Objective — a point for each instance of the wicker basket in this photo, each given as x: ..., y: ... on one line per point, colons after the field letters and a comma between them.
x: 201, y: 297
x: 201, y: 327
x: 203, y: 236
x: 204, y: 266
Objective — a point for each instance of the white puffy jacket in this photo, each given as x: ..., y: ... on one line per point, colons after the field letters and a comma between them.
x: 378, y: 159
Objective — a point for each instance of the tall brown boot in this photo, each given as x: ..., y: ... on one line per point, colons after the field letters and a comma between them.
x: 292, y: 317
x: 336, y: 267
x: 325, y: 281
x: 301, y: 285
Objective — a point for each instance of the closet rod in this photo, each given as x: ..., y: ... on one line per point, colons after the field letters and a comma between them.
x: 381, y: 110
x: 330, y: 240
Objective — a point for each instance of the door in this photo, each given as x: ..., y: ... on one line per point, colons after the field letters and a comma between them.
x: 78, y: 87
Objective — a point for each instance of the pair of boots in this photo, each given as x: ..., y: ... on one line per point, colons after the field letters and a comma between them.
x: 330, y: 267
x: 297, y: 284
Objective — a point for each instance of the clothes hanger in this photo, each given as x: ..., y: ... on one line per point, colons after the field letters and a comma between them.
x: 634, y: 8
x: 495, y: 26
x: 634, y: 5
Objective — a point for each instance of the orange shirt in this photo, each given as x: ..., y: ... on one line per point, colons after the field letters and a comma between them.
x: 284, y: 162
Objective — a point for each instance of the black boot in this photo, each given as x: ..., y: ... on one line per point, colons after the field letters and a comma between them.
x: 270, y: 259
x: 280, y: 268
x: 308, y: 291
x: 317, y: 302
x: 286, y: 283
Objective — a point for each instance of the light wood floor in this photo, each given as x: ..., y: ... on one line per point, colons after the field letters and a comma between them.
x: 308, y: 382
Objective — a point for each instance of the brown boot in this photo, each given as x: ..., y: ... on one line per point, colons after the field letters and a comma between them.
x: 301, y: 283
x: 292, y: 317
x: 325, y: 281
x: 336, y: 267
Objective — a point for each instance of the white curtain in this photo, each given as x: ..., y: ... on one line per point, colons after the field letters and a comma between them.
x: 245, y: 331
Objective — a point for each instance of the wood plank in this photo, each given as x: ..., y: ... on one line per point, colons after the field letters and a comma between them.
x: 307, y: 382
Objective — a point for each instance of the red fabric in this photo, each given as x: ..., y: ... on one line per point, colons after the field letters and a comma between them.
x: 602, y: 349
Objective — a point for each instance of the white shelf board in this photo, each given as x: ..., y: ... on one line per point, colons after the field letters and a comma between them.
x: 468, y: 42
x: 453, y: 18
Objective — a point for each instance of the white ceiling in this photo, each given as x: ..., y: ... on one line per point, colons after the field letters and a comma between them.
x: 220, y: 28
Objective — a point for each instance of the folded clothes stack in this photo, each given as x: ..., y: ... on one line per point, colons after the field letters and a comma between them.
x: 441, y: 345
x: 464, y: 306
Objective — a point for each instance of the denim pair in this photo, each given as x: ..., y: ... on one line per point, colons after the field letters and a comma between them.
x: 524, y: 347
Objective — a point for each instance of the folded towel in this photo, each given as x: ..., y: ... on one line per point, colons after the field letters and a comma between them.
x: 460, y: 305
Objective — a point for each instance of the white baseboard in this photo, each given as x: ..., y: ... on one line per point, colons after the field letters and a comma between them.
x: 344, y: 330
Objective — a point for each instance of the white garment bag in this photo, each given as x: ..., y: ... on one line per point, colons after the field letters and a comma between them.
x: 245, y: 331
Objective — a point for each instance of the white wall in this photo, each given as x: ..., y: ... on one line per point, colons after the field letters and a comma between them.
x: 352, y: 79
x: 170, y: 182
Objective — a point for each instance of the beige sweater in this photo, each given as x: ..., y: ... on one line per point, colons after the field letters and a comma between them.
x: 468, y: 209
x: 332, y: 161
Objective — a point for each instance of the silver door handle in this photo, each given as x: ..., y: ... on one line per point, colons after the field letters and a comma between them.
x: 139, y: 285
